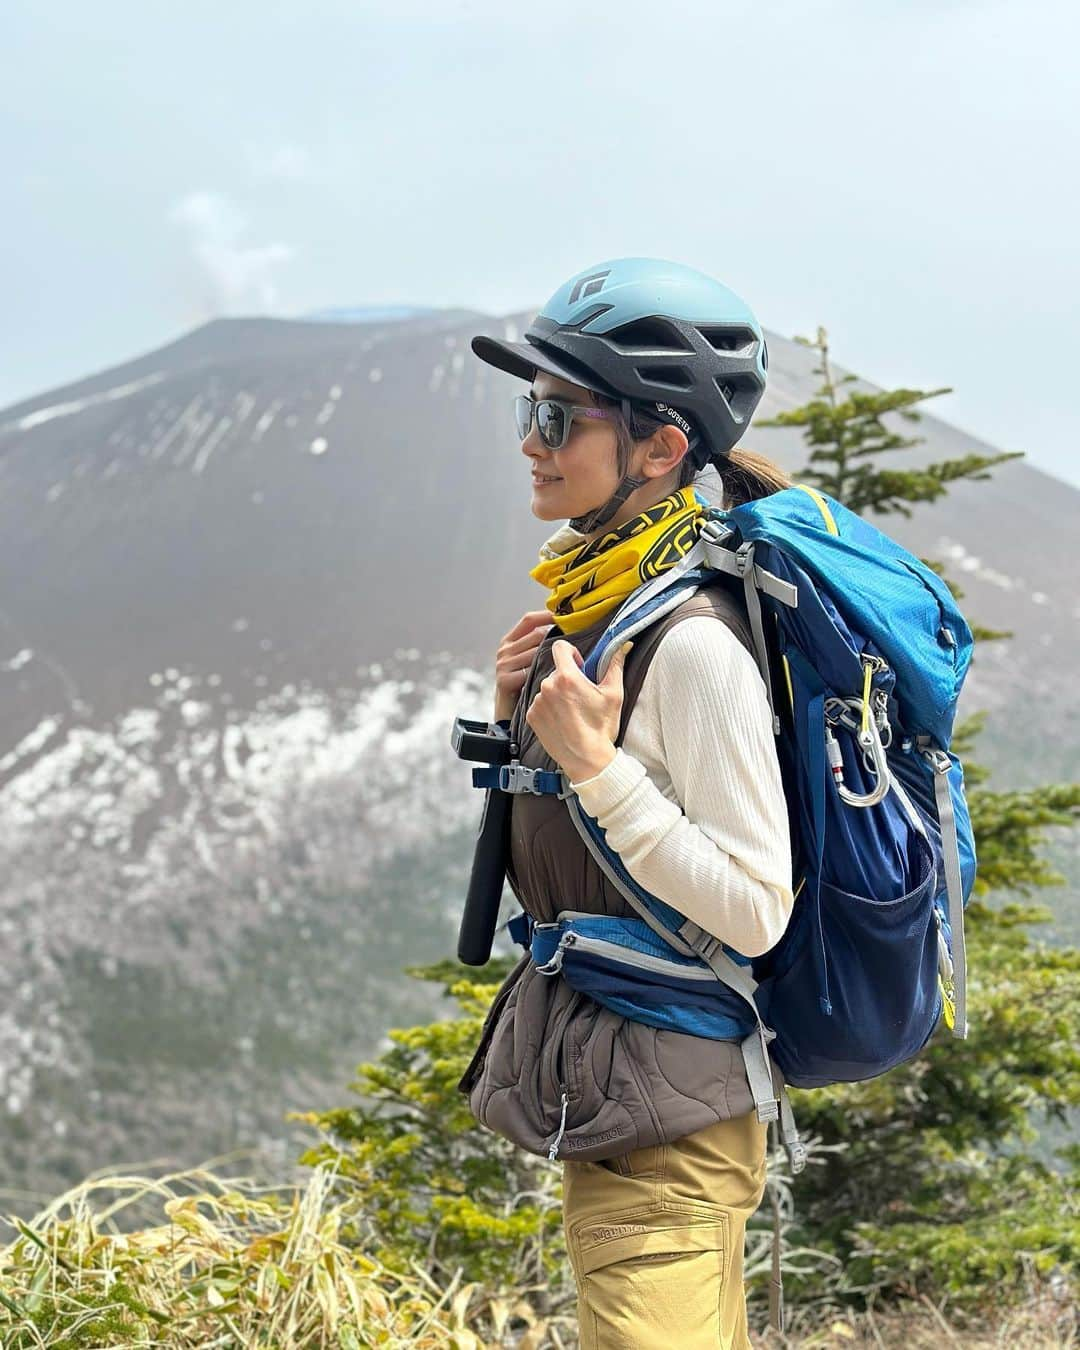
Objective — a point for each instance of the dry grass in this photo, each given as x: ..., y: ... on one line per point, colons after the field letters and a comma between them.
x: 1044, y: 1322
x: 233, y: 1264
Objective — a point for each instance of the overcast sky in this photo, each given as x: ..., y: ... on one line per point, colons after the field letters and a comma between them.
x: 903, y: 172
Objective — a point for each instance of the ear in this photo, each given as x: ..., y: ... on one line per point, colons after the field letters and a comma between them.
x: 664, y: 451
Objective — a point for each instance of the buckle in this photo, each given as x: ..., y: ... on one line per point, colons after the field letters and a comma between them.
x: 797, y: 1155
x: 937, y: 759
x: 518, y: 778
x: 716, y: 531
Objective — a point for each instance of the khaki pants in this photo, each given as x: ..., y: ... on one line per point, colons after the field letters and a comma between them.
x: 656, y: 1240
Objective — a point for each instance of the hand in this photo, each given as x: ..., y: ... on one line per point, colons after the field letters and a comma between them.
x: 575, y: 720
x: 515, y: 657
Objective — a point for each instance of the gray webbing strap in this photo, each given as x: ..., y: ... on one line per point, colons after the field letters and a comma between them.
x: 755, y: 1047
x: 771, y: 1097
x: 793, y: 1145
x: 755, y: 1053
x: 724, y: 560
x: 950, y: 848
x: 711, y: 949
x: 776, y: 1284
x: 744, y: 558
x: 796, y: 1151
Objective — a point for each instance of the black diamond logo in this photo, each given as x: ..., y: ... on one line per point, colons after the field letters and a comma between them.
x: 586, y: 286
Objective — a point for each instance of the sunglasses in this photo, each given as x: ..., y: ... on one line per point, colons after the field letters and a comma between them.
x: 553, y: 418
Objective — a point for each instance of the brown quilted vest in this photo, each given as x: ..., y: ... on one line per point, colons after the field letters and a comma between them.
x: 628, y: 1085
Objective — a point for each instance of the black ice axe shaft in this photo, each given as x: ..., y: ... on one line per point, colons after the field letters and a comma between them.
x: 488, y: 743
x: 481, y: 912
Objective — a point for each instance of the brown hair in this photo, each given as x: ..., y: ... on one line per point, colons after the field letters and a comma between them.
x: 744, y: 474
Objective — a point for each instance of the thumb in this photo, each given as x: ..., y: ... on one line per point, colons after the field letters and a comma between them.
x: 613, y: 674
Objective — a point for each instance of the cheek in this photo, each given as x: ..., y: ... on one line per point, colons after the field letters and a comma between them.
x: 589, y: 461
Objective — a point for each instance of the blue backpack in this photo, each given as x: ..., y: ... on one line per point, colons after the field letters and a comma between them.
x: 863, y: 653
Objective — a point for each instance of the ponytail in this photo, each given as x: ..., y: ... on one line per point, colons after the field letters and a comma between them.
x: 746, y: 476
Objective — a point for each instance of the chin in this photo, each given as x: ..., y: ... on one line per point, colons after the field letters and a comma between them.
x: 544, y: 512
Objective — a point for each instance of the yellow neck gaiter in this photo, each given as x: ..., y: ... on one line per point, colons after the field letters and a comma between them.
x: 589, y: 581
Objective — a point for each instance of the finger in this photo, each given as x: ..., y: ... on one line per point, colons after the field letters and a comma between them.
x: 563, y: 653
x: 529, y: 642
x: 524, y: 644
x: 511, y: 675
x: 614, y: 673
x: 528, y: 621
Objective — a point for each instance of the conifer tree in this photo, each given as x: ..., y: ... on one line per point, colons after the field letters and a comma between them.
x: 845, y: 435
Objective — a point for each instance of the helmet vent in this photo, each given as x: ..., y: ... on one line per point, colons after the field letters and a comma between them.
x: 666, y: 377
x: 737, y: 393
x: 740, y: 340
x: 647, y: 335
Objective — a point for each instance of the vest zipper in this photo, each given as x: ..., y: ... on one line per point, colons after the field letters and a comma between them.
x: 553, y: 1150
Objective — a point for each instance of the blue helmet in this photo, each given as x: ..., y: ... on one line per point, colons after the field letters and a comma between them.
x: 664, y: 336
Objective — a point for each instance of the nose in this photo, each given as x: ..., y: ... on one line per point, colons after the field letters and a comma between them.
x: 533, y: 446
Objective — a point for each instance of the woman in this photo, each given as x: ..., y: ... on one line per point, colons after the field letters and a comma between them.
x: 673, y: 754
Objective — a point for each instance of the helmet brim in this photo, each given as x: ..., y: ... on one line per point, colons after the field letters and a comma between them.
x: 524, y: 359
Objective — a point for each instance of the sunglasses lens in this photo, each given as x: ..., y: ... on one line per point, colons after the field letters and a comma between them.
x: 523, y: 415
x: 551, y: 423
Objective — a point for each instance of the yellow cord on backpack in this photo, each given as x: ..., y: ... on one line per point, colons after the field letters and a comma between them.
x: 868, y: 675
x: 948, y: 1002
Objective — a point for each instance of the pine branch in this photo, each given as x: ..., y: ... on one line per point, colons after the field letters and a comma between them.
x: 981, y: 634
x: 1010, y: 830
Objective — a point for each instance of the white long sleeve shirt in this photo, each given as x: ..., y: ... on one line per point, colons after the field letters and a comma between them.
x: 693, y: 801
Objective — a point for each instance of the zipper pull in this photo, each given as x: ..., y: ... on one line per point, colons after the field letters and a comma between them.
x: 554, y: 965
x: 553, y: 1150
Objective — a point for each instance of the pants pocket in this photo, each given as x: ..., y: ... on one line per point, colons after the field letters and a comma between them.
x: 654, y: 1282
x: 639, y: 1162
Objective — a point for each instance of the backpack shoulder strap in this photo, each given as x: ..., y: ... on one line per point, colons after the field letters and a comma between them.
x: 722, y: 600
